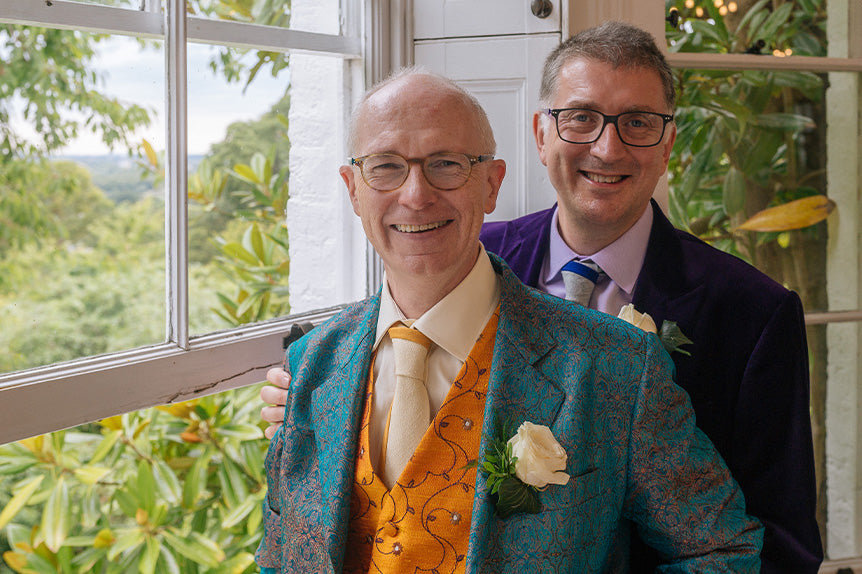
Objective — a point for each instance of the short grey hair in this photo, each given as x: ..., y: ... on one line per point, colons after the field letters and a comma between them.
x: 483, y: 125
x: 616, y: 43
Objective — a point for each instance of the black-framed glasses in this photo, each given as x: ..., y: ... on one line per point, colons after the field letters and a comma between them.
x: 583, y: 126
x: 444, y: 170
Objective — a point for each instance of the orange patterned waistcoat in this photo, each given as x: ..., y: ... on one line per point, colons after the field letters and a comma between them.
x: 423, y: 522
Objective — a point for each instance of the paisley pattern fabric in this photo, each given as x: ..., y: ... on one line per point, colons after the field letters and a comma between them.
x: 423, y: 523
x: 605, y: 390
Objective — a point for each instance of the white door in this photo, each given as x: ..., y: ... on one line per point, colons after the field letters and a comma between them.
x: 495, y: 49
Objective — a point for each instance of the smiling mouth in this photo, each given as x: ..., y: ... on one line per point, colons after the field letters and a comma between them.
x: 599, y: 178
x: 406, y: 228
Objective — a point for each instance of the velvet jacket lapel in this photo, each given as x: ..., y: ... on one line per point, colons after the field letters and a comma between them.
x: 664, y: 287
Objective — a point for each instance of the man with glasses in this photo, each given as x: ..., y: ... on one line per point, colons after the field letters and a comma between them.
x: 393, y: 403
x: 605, y: 134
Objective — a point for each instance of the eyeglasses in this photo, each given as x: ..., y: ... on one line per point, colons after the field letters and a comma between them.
x: 389, y: 171
x: 583, y: 126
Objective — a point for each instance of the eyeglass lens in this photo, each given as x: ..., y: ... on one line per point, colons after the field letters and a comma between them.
x: 385, y: 172
x: 634, y: 128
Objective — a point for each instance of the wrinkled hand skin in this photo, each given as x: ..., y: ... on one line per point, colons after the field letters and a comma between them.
x: 274, y: 394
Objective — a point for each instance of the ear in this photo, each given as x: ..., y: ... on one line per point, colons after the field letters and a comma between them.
x: 496, y: 173
x: 668, y: 146
x: 348, y: 174
x: 540, y: 133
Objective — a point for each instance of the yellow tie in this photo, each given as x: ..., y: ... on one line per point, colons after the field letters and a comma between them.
x: 410, y: 413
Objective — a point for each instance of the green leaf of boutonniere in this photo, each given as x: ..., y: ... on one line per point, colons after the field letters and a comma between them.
x: 514, y: 496
x: 672, y: 337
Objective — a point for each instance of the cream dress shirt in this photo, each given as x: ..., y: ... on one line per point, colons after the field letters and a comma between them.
x: 454, y: 324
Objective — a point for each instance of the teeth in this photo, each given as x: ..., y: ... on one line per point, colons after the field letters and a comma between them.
x: 417, y: 228
x: 604, y: 178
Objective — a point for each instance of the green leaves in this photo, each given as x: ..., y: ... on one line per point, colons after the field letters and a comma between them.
x: 21, y: 497
x: 510, y: 495
x: 130, y: 495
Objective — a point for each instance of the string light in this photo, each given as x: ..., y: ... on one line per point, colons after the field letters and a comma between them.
x: 723, y: 10
x: 689, y: 4
x: 699, y: 12
x: 732, y: 6
x: 719, y: 3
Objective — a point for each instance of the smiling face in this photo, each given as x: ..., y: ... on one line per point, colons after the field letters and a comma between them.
x: 423, y: 234
x: 605, y: 186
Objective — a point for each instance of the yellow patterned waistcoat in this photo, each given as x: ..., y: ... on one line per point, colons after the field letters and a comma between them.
x: 423, y: 522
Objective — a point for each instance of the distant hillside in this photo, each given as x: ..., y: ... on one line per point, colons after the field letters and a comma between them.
x: 119, y: 176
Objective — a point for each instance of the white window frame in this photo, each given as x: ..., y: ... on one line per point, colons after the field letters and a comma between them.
x: 64, y: 395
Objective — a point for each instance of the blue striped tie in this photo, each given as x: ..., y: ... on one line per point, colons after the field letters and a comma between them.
x: 580, y: 279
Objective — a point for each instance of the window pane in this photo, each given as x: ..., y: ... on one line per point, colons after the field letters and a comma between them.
x: 748, y: 141
x: 273, y: 13
x: 725, y: 26
x: 81, y: 217
x: 238, y: 154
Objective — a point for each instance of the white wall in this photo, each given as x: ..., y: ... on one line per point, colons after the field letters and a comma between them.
x: 327, y: 246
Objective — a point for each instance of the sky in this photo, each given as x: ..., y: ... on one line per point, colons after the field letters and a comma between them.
x: 136, y: 76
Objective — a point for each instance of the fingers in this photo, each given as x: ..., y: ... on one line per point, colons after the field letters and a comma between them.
x: 274, y: 396
x: 269, y: 432
x: 279, y: 377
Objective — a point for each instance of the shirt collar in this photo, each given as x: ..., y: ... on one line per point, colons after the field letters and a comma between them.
x: 621, y: 260
x: 457, y: 320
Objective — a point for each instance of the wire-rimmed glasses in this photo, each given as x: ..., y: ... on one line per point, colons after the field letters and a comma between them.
x: 444, y: 170
x: 583, y: 126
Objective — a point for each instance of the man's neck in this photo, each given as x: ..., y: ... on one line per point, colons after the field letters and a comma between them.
x: 416, y: 293
x: 589, y: 240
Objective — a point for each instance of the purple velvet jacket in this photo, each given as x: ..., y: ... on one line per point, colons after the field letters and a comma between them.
x: 747, y: 375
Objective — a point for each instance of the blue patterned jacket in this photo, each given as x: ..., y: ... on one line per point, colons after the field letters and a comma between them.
x: 605, y: 390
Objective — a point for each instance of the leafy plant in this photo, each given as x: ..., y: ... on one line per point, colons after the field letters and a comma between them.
x: 168, y: 489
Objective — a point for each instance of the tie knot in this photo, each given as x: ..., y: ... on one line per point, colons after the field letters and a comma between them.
x: 586, y: 269
x: 399, y: 331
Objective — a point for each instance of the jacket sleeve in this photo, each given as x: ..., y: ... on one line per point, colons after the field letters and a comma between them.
x: 679, y: 491
x: 773, y: 456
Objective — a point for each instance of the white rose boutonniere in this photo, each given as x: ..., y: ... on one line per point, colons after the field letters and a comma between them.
x: 539, y: 457
x: 518, y: 467
x: 641, y: 320
x: 670, y: 335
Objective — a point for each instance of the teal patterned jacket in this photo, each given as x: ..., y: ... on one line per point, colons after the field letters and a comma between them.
x: 605, y: 390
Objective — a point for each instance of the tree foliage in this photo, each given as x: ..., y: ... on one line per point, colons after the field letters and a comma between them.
x: 747, y: 140
x: 169, y: 489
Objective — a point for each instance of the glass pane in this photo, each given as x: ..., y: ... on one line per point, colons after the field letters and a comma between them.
x: 81, y: 217
x: 748, y: 141
x: 271, y: 13
x: 132, y: 4
x: 727, y: 27
x: 143, y: 480
x: 238, y: 153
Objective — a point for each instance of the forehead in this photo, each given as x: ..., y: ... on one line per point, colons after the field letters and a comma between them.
x: 584, y: 82
x: 416, y: 119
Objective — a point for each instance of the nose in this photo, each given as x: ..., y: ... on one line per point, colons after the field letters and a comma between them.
x: 416, y: 192
x: 609, y: 146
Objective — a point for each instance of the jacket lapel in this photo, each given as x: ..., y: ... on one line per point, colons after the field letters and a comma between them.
x: 666, y: 288
x: 518, y: 390
x: 336, y: 411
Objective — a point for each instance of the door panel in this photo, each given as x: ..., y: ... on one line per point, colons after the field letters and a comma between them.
x: 463, y: 18
x: 504, y: 75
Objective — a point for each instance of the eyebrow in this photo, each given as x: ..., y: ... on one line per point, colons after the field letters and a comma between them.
x: 598, y: 107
